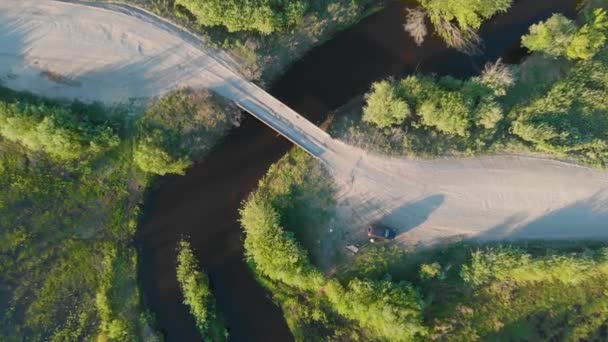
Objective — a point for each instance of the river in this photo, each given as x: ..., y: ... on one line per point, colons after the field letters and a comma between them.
x: 203, y: 205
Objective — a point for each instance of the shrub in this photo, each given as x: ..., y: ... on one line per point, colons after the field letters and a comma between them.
x: 552, y: 36
x: 588, y: 41
x: 391, y: 311
x: 180, y: 128
x: 151, y: 158
x: 430, y: 271
x: 55, y: 130
x: 384, y: 108
x: 448, y: 113
x: 197, y: 295
x: 468, y: 16
x: 498, y: 77
x: 274, y: 251
x: 264, y: 16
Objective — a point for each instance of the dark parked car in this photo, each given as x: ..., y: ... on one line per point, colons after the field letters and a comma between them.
x: 380, y: 232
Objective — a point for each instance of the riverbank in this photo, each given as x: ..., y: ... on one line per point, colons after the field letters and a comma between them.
x: 433, y: 293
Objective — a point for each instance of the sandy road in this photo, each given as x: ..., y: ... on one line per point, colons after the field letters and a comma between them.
x: 114, y: 53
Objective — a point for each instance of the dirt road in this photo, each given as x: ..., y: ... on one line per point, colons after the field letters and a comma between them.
x: 114, y: 53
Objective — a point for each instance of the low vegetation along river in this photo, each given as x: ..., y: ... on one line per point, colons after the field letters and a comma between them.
x: 203, y: 205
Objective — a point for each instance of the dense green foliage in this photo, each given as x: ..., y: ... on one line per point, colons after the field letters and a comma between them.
x: 274, y: 251
x: 552, y: 105
x: 67, y: 270
x: 70, y: 194
x: 361, y: 309
x: 516, y: 295
x: 456, y: 21
x: 384, y: 108
x: 194, y: 284
x: 559, y: 36
x: 572, y: 117
x: 265, y: 16
x: 59, y: 131
x: 468, y: 13
x: 391, y: 311
x: 180, y: 128
x: 552, y: 36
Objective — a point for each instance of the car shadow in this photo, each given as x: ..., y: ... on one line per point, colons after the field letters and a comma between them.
x: 413, y: 214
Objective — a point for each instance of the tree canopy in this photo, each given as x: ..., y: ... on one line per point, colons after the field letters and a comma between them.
x: 194, y: 284
x: 55, y: 130
x: 467, y: 13
x: 180, y: 128
x: 264, y: 16
x: 384, y: 108
x: 559, y: 36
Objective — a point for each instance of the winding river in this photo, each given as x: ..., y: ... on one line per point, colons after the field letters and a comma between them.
x: 203, y: 205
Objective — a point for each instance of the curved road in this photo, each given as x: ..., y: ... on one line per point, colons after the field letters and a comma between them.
x: 114, y: 53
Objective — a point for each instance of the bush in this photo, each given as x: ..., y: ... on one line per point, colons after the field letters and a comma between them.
x: 274, y: 251
x: 468, y: 16
x: 559, y: 36
x: 498, y: 77
x: 588, y: 41
x: 264, y: 16
x: 391, y: 311
x: 179, y: 129
x: 571, y: 118
x: 552, y: 296
x: 55, y: 130
x: 551, y: 37
x: 197, y: 295
x: 384, y: 108
x: 152, y: 158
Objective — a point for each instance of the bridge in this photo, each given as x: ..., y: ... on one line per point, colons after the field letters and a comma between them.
x: 149, y: 56
x: 116, y: 53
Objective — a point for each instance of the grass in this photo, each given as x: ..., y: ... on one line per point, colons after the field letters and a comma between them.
x: 68, y: 266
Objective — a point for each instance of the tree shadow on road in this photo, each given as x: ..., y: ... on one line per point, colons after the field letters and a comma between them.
x: 585, y: 219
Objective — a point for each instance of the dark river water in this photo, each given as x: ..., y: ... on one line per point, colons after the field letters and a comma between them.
x: 203, y: 205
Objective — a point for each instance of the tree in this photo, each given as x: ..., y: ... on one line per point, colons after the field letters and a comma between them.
x: 179, y: 128
x: 384, y: 108
x: 448, y: 113
x: 392, y: 311
x: 264, y: 16
x: 590, y: 38
x: 154, y: 159
x: 55, y: 130
x: 194, y: 284
x: 275, y: 252
x: 552, y: 36
x: 456, y: 21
